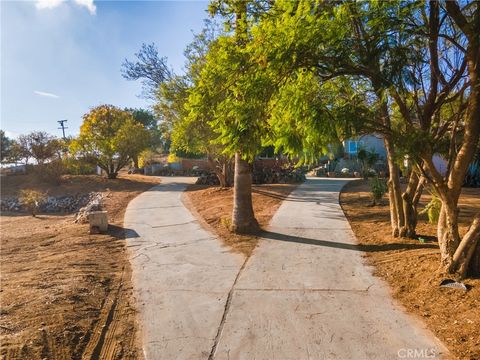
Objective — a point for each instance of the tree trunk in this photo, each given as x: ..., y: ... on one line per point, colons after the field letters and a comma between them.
x: 447, y: 232
x: 111, y: 173
x: 229, y: 168
x: 135, y: 161
x: 243, y: 218
x: 223, y: 170
x: 410, y: 198
x: 474, y: 269
x: 465, y: 250
x: 461, y: 258
x: 397, y: 217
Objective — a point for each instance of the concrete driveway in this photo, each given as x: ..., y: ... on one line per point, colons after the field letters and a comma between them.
x: 305, y: 293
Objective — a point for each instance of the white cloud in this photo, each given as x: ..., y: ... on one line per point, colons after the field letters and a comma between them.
x: 50, y: 4
x: 46, y: 94
x: 88, y: 4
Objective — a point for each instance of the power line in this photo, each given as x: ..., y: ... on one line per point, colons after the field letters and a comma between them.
x: 63, y: 127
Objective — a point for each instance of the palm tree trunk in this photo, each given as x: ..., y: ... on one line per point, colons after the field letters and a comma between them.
x: 243, y: 218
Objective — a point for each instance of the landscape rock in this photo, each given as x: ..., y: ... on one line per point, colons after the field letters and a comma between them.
x: 60, y: 204
x: 94, y: 204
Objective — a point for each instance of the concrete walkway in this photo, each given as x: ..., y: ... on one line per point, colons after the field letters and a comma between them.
x: 305, y: 293
x: 182, y: 275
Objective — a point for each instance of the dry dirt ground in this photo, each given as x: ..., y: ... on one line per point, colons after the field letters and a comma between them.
x: 214, y: 205
x: 408, y: 267
x: 66, y: 294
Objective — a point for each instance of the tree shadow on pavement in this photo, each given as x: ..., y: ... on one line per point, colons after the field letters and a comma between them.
x: 345, y: 246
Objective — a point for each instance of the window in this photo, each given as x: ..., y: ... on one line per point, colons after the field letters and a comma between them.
x: 352, y: 147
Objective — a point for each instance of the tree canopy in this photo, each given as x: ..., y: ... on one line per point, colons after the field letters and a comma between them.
x: 110, y: 136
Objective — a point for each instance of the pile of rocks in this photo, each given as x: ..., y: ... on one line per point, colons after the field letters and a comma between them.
x: 207, y: 179
x: 95, y: 203
x: 10, y: 204
x: 278, y: 175
x: 52, y: 204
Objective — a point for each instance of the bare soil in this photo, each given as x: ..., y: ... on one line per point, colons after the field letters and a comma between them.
x: 409, y: 267
x: 66, y: 294
x: 214, y: 205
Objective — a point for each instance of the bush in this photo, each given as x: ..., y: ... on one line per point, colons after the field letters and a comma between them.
x: 51, y: 172
x: 78, y: 166
x: 172, y: 158
x: 378, y: 188
x: 146, y: 158
x: 278, y: 175
x: 32, y: 199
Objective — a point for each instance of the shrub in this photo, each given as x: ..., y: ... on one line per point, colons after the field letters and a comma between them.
x: 51, y: 172
x: 378, y: 188
x: 31, y: 199
x: 367, y: 160
x: 146, y: 158
x: 172, y: 158
x: 78, y: 166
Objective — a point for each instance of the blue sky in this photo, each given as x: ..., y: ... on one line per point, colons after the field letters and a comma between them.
x: 60, y: 58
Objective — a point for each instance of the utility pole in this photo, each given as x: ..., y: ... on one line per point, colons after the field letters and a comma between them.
x: 62, y: 127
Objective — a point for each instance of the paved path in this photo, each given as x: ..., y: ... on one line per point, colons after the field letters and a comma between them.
x: 305, y: 293
x: 182, y: 274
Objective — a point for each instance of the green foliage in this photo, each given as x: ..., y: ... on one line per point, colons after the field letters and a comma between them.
x: 432, y: 209
x: 307, y: 115
x: 146, y: 158
x: 74, y: 166
x: 144, y: 117
x: 229, y: 99
x: 171, y: 97
x: 31, y: 199
x: 378, y: 188
x: 367, y: 158
x: 111, y: 137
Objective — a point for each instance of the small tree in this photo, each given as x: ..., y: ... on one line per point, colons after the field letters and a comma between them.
x: 32, y: 199
x: 110, y: 136
x: 378, y: 188
x: 40, y: 146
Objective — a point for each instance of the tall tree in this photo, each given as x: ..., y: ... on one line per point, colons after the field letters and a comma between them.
x: 430, y: 97
x: 149, y: 67
x: 188, y: 123
x: 457, y: 251
x: 238, y: 93
x: 414, y: 56
x: 360, y: 41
